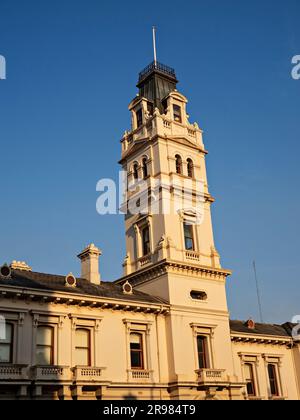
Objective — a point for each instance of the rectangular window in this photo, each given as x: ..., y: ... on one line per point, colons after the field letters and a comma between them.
x: 177, y: 113
x: 150, y: 108
x: 6, y: 345
x: 249, y: 379
x: 44, y: 346
x: 273, y: 380
x: 188, y: 237
x: 202, y: 352
x: 139, y: 118
x: 136, y: 351
x: 82, y: 347
x: 146, y: 240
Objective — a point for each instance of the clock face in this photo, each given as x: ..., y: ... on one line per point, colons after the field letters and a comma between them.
x: 5, y: 271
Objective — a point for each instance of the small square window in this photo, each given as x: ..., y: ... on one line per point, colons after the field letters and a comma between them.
x: 177, y: 113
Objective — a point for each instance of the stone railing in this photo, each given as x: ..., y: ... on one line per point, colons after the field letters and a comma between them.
x: 147, y: 259
x: 211, y: 376
x: 191, y: 132
x: 167, y: 124
x: 87, y: 374
x: 140, y: 375
x: 192, y: 255
x: 51, y: 373
x: 13, y: 372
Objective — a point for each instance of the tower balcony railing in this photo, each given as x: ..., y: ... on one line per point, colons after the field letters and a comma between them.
x: 192, y: 255
x: 147, y: 259
x: 155, y: 65
x: 211, y: 376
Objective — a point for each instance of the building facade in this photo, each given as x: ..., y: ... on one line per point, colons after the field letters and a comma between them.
x: 163, y: 330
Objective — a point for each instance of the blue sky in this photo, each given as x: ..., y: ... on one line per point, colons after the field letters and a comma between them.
x: 72, y: 67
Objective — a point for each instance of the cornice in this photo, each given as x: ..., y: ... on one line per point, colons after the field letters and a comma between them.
x: 165, y: 266
x: 260, y: 339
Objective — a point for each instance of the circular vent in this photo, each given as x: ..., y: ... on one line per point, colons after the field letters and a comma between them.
x: 5, y: 271
x: 127, y: 288
x: 70, y: 280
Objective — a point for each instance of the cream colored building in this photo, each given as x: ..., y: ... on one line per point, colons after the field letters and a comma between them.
x: 163, y: 330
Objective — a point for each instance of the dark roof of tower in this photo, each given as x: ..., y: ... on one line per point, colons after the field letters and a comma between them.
x: 156, y: 81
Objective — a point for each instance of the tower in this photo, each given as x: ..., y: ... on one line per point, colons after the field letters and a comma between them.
x: 163, y: 156
x: 169, y: 235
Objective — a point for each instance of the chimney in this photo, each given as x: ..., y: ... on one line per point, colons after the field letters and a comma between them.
x: 20, y: 265
x: 90, y: 264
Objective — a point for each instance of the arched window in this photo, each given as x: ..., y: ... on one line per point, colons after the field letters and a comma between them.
x: 45, y: 346
x: 136, y: 351
x: 178, y: 164
x: 190, y: 168
x: 146, y: 241
x: 82, y: 347
x: 145, y: 167
x: 136, y: 171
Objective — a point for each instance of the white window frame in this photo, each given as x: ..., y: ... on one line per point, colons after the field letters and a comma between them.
x: 207, y: 331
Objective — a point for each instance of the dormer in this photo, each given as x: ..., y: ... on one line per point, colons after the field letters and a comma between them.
x: 141, y: 110
x: 175, y: 107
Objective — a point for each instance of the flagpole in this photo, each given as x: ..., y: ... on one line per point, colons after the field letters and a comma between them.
x: 154, y: 45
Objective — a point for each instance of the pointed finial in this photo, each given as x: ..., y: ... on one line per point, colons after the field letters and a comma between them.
x: 154, y: 44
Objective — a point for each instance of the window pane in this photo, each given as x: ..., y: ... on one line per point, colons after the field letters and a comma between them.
x: 135, y: 339
x: 8, y: 334
x: 82, y: 338
x: 5, y: 352
x: 136, y: 351
x: 188, y: 237
x: 202, y: 352
x: 136, y: 361
x: 81, y: 357
x: 250, y: 389
x: 273, y: 380
x: 139, y: 117
x: 249, y: 378
x: 43, y: 355
x: 177, y: 113
x: 178, y: 164
x: 44, y: 336
x: 146, y: 241
x: 190, y: 168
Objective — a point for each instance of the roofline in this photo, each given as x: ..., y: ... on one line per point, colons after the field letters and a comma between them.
x: 81, y: 299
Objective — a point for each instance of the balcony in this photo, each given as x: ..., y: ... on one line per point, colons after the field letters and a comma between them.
x: 143, y: 376
x: 211, y: 377
x: 13, y: 372
x: 192, y: 255
x: 51, y: 373
x: 87, y: 374
x: 147, y: 259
